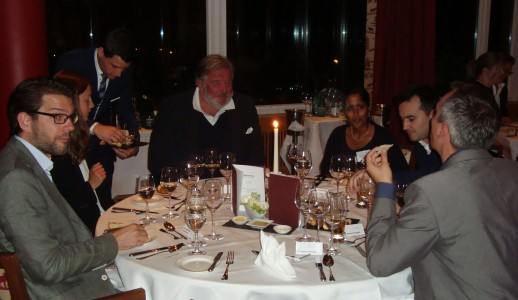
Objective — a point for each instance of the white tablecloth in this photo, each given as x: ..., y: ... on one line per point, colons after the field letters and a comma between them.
x: 161, y: 279
x: 508, y: 140
x: 316, y: 134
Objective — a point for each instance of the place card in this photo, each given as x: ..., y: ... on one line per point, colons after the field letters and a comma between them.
x: 245, y: 181
x: 354, y: 230
x: 281, y: 199
x: 312, y: 248
x: 187, y: 232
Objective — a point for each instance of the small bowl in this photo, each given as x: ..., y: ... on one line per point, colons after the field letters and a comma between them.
x: 282, y: 229
x: 252, y: 214
x: 239, y: 220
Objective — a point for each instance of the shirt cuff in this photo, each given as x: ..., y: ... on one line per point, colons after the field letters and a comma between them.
x: 385, y: 190
x: 92, y: 128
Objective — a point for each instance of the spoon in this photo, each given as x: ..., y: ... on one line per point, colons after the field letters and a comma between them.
x: 171, y: 227
x: 329, y: 262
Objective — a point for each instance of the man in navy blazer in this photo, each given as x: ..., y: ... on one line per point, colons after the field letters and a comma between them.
x: 107, y: 69
x: 212, y: 116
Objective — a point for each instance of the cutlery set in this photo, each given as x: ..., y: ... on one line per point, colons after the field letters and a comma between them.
x: 155, y: 251
x: 125, y: 210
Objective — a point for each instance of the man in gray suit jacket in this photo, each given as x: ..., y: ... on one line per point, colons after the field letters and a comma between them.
x: 459, y: 227
x: 59, y: 257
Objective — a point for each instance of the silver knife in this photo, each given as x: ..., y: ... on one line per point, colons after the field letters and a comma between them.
x: 216, y: 259
x: 132, y: 210
x: 150, y: 251
x: 318, y: 263
x: 170, y: 250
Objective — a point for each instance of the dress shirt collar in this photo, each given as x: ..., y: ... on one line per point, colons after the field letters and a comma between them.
x: 426, y: 146
x: 99, y: 71
x: 45, y: 163
x: 212, y: 120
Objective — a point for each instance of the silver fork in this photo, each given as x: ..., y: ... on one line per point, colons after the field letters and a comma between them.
x: 230, y: 260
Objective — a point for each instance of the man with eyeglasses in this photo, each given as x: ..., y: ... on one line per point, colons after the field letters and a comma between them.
x: 59, y: 257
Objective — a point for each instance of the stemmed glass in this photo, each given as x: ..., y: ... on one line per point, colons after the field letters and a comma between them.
x: 335, y: 213
x: 302, y: 203
x: 366, y: 193
x: 292, y: 155
x: 212, y: 161
x: 189, y: 176
x: 146, y: 190
x: 337, y: 165
x: 168, y: 182
x: 307, y: 99
x: 400, y: 193
x: 195, y: 218
x: 303, y: 163
x: 199, y: 163
x: 212, y: 191
x: 226, y: 160
x: 317, y: 201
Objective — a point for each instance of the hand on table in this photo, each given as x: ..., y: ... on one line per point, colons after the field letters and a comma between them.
x: 378, y: 166
x: 97, y: 175
x: 126, y: 153
x: 353, y: 185
x: 109, y: 134
x: 130, y: 236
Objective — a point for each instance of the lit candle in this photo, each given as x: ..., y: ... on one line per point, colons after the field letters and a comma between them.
x: 275, y: 147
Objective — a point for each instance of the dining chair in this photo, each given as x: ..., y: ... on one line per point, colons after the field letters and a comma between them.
x: 136, y: 294
x: 13, y: 272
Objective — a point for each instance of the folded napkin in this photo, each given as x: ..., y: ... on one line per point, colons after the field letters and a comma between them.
x: 273, y: 256
x: 296, y: 126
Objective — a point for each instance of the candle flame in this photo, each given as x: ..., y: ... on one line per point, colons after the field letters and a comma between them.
x: 275, y: 124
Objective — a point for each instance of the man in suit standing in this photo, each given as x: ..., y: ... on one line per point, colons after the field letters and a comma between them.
x: 107, y: 69
x: 458, y: 229
x: 59, y: 257
x: 212, y: 116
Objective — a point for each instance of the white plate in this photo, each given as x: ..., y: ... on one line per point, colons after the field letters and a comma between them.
x: 194, y: 263
x: 156, y: 200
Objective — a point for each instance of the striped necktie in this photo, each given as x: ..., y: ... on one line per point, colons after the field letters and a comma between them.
x: 102, y: 87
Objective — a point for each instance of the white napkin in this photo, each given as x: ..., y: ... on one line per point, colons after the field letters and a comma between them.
x: 296, y: 126
x: 273, y: 256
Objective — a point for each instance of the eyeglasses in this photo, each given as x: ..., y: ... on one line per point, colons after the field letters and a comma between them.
x: 59, y: 118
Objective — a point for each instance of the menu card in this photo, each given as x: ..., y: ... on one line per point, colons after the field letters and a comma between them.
x: 281, y: 199
x: 245, y: 180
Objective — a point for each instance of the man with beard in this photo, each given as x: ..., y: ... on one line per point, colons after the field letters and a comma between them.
x: 211, y: 116
x: 59, y: 257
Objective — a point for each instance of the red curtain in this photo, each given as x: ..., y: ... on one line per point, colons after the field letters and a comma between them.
x: 24, y: 49
x: 405, y: 51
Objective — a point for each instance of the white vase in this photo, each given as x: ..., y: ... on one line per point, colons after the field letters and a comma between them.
x: 252, y: 214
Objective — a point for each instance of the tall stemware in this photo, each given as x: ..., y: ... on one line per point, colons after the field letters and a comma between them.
x: 195, y: 217
x: 212, y: 161
x: 168, y: 182
x: 335, y: 213
x: 302, y: 203
x: 146, y: 190
x: 291, y: 156
x: 366, y: 193
x: 317, y: 201
x: 189, y: 176
x: 226, y: 160
x: 303, y: 163
x: 212, y: 191
x: 337, y: 164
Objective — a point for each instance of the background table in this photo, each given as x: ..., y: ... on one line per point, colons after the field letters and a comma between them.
x: 509, y: 142
x: 163, y: 280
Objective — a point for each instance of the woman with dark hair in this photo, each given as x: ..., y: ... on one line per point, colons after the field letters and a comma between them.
x: 70, y: 173
x: 360, y: 135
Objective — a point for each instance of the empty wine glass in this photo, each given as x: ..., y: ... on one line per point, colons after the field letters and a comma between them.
x: 199, y: 163
x: 302, y: 203
x: 303, y: 164
x: 195, y: 217
x: 317, y: 201
x: 226, y: 160
x: 335, y: 213
x: 189, y: 176
x: 338, y: 163
x: 168, y: 182
x: 212, y: 161
x: 212, y: 191
x: 146, y: 190
x: 292, y: 155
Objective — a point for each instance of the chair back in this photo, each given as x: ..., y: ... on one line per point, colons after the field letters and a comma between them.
x: 136, y: 294
x: 13, y: 272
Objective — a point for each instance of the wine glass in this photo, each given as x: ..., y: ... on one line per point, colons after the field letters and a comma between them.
x: 335, y: 213
x: 212, y: 191
x: 195, y: 218
x: 337, y: 164
x: 292, y: 154
x: 146, y: 190
x: 366, y: 191
x: 189, y: 176
x: 307, y: 99
x: 226, y: 160
x: 302, y: 203
x: 212, y: 161
x: 168, y: 182
x: 400, y: 193
x: 303, y: 164
x: 199, y: 163
x: 317, y: 201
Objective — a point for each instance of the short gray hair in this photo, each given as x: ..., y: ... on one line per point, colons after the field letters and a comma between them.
x: 213, y: 62
x: 472, y: 122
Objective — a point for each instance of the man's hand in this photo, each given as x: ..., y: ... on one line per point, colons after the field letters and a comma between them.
x: 378, y: 166
x: 125, y: 153
x: 109, y: 134
x: 130, y: 236
x: 353, y: 185
x: 96, y: 176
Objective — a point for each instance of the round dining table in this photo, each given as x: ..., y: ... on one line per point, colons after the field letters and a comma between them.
x: 172, y: 275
